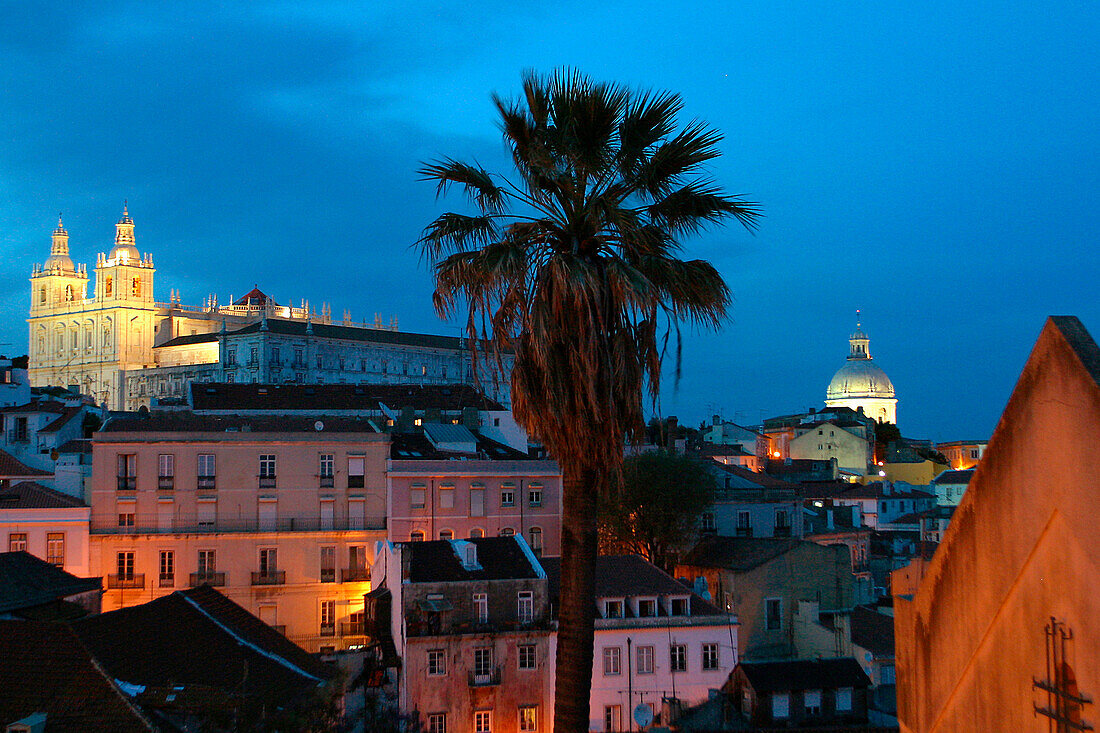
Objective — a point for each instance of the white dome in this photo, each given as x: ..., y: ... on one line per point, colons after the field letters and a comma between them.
x: 860, y: 378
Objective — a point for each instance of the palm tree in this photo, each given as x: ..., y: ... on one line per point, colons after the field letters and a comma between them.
x: 571, y: 264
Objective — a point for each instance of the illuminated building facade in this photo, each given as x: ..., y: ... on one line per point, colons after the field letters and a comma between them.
x: 861, y: 383
x: 126, y: 349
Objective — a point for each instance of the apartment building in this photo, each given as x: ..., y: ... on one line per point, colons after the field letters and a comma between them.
x: 280, y: 513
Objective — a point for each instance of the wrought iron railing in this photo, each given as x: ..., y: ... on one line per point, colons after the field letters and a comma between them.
x: 210, y: 578
x: 269, y: 577
x: 125, y: 581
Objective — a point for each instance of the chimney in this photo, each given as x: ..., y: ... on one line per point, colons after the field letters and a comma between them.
x: 717, y: 420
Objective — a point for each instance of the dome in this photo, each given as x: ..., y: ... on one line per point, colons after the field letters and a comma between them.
x: 860, y: 378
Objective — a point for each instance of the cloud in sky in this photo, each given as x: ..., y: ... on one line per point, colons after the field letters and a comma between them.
x: 933, y: 165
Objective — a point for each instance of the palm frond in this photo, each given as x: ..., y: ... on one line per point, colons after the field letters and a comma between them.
x: 474, y: 181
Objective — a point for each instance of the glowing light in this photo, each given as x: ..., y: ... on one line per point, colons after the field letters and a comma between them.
x: 881, y: 473
x: 776, y: 454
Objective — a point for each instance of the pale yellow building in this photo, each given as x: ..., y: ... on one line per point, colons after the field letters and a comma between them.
x: 861, y: 383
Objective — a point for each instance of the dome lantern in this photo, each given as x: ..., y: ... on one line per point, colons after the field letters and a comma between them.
x: 125, y: 252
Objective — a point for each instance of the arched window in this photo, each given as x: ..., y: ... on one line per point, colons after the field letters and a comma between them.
x: 446, y: 534
x: 107, y: 336
x: 108, y: 286
x: 135, y: 289
x: 42, y: 295
x: 477, y: 533
x: 68, y: 292
x: 536, y: 540
x: 507, y: 532
x: 416, y: 536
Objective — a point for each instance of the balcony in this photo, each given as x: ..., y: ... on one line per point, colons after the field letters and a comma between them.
x: 267, y: 482
x: 352, y: 628
x: 206, y: 483
x: 211, y: 578
x: 202, y: 524
x: 123, y: 582
x: 328, y: 630
x: 328, y: 575
x: 166, y: 580
x: 269, y: 577
x: 253, y: 364
x: 327, y: 482
x: 485, y: 678
x: 127, y: 483
x: 166, y: 483
x: 354, y: 575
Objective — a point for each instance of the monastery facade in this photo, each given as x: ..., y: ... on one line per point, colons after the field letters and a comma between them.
x: 120, y: 345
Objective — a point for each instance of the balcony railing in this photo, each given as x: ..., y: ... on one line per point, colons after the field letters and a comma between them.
x: 193, y: 523
x: 352, y: 628
x: 328, y: 630
x: 486, y: 678
x: 206, y: 483
x: 354, y: 575
x: 328, y: 575
x: 127, y: 483
x: 132, y: 580
x: 166, y: 482
x: 327, y: 482
x: 269, y: 577
x: 267, y: 482
x: 166, y: 580
x: 212, y: 578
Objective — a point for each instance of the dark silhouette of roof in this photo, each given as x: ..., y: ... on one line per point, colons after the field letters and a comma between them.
x: 12, y: 466
x: 171, y: 422
x: 759, y: 479
x: 200, y: 638
x: 873, y: 631
x: 27, y: 581
x: 1082, y: 343
x: 30, y: 495
x: 208, y: 396
x: 253, y: 297
x: 499, y: 558
x: 47, y: 669
x: 961, y: 476
x: 619, y: 576
x: 739, y: 554
x: 804, y: 674
x: 61, y: 420
x: 417, y: 447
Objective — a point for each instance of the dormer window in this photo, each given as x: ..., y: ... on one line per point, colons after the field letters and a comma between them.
x: 471, y: 555
x: 679, y: 607
x: 613, y: 609
x: 647, y: 607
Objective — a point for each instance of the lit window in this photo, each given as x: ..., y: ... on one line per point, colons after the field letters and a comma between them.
x: 446, y: 534
x: 17, y: 542
x: 437, y: 723
x: 781, y: 705
x: 612, y: 609
x: 528, y: 717
x: 483, y: 721
x: 416, y: 536
x: 55, y: 548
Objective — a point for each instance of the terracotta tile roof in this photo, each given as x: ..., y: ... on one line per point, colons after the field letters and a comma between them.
x: 499, y: 558
x: 804, y: 674
x: 29, y: 495
x: 739, y: 554
x: 27, y: 581
x: 207, y: 396
x: 213, y: 644
x: 11, y: 466
x: 47, y: 669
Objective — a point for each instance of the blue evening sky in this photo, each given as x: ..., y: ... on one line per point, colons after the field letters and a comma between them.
x: 935, y: 164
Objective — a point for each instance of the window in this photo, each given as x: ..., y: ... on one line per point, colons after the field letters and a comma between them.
x: 481, y: 608
x: 416, y: 536
x: 253, y: 356
x: 678, y: 607
x: 328, y: 618
x: 446, y: 497
x: 535, y: 534
x: 709, y: 524
x: 124, y: 562
x: 710, y: 657
x: 328, y: 564
x: 507, y: 495
x: 525, y: 607
x: 269, y: 562
x: 356, y: 472
x: 781, y: 705
x: 678, y: 658
x: 612, y: 609
x: 477, y: 533
x: 437, y: 723
x: 812, y: 700
x: 477, y: 501
x: 534, y: 495
x: 416, y: 497
x: 483, y: 721
x: 437, y: 662
x: 507, y: 532
x: 127, y: 472
x: 613, y: 717
x: 267, y: 471
x: 612, y: 661
x: 208, y: 564
x: 483, y: 661
x: 644, y: 658
x: 744, y: 523
x: 527, y: 656
x: 206, y: 471
x: 773, y: 613
x: 17, y: 542
x: 55, y: 548
x: 135, y: 287
x: 528, y: 717
x: 166, y: 471
x: 325, y: 472
x: 647, y: 607
x: 125, y: 518
x: 844, y: 699
x: 446, y: 534
x: 167, y: 568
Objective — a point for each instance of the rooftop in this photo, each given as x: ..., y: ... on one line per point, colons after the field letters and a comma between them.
x: 187, y: 422
x: 12, y: 466
x: 207, y: 396
x: 27, y: 581
x: 739, y: 554
x: 29, y: 495
x: 873, y: 631
x: 962, y: 476
x: 498, y: 558
x: 804, y: 674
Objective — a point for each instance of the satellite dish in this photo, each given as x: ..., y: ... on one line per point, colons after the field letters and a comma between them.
x: 643, y: 714
x: 318, y: 426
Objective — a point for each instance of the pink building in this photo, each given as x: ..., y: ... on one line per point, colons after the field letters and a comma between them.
x: 449, y: 483
x: 281, y: 513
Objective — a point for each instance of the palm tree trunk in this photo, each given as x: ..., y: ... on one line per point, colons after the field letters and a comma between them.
x: 577, y: 612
